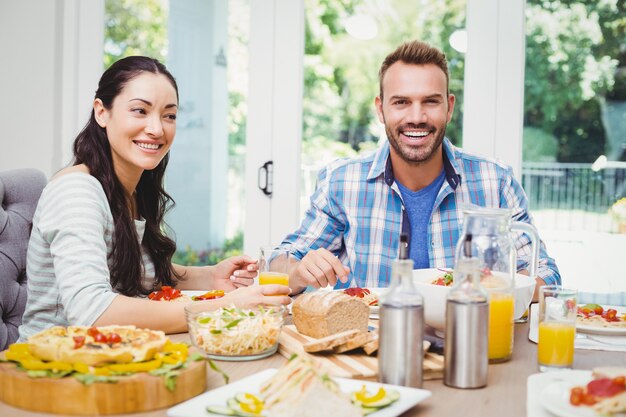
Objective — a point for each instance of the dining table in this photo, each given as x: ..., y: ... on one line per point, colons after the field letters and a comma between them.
x: 505, y: 394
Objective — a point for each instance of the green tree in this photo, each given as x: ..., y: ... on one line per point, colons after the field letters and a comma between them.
x: 134, y: 27
x: 575, y: 53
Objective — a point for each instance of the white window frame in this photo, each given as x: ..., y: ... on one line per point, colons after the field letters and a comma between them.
x: 274, y: 128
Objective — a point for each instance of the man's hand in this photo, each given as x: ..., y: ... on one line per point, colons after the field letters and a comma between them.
x: 319, y: 268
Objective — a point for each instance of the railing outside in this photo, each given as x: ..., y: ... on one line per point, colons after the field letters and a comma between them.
x: 562, y: 196
x: 569, y: 196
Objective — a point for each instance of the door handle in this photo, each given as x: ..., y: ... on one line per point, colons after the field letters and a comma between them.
x: 266, y: 173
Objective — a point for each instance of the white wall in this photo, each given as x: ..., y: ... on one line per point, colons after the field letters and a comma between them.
x: 51, y: 61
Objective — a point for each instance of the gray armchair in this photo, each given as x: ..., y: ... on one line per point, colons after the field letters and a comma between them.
x: 19, y: 192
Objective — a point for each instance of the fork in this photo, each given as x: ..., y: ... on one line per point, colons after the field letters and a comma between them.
x: 595, y: 339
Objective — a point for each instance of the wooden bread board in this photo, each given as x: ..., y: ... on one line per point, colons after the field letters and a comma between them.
x: 355, y: 364
x: 131, y: 394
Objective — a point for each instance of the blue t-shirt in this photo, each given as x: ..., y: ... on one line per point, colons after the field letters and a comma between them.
x: 419, y: 206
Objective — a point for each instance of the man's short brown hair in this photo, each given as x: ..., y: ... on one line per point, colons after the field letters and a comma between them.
x: 415, y: 52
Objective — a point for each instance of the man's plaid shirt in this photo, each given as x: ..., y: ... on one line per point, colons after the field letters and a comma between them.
x: 357, y: 213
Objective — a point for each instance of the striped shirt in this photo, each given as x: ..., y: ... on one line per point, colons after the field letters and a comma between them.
x: 357, y: 213
x: 68, y: 254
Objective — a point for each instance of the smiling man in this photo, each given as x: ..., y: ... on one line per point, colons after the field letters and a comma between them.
x: 417, y: 183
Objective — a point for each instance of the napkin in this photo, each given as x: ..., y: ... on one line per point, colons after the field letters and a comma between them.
x: 583, y: 340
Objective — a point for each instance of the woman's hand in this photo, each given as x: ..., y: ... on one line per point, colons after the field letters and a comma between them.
x: 234, y: 272
x: 249, y: 297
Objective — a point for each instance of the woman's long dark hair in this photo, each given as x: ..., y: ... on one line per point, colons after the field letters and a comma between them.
x: 92, y: 148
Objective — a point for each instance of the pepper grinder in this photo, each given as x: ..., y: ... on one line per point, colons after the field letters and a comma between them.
x: 401, y: 333
x: 467, y: 324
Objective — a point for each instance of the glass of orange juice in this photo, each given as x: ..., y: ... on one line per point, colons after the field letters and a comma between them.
x: 557, y: 327
x: 274, y: 264
x: 501, y: 308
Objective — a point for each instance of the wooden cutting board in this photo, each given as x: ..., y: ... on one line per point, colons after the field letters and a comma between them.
x: 139, y: 392
x: 355, y: 364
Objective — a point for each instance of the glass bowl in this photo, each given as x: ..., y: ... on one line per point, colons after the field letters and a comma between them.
x: 232, y: 333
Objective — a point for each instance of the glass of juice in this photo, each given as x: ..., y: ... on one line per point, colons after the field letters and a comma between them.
x: 274, y: 264
x: 501, y: 308
x: 557, y: 327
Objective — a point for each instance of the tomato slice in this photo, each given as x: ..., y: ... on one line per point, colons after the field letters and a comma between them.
x: 166, y: 293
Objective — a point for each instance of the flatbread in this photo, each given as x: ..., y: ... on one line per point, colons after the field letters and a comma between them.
x: 76, y: 344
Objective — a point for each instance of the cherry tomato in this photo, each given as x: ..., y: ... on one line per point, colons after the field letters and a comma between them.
x: 79, y: 341
x: 114, y: 338
x: 611, y: 315
x: 589, y: 399
x: 100, y: 338
x: 93, y: 331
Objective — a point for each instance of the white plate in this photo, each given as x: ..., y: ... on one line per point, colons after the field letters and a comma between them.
x: 608, y: 331
x: 193, y: 293
x: 555, y: 397
x: 196, y: 407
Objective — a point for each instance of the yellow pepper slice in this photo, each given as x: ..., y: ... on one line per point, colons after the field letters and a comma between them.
x: 173, y: 353
x: 81, y: 368
x: 37, y: 365
x: 363, y: 397
x: 18, y: 352
x: 251, y: 404
x: 101, y: 371
x: 136, y: 366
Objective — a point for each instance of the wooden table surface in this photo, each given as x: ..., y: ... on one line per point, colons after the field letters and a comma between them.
x: 505, y: 394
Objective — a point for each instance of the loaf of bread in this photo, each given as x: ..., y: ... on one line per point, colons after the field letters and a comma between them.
x: 322, y: 313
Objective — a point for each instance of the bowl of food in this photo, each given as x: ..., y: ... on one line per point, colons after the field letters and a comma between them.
x: 232, y: 333
x: 434, y: 284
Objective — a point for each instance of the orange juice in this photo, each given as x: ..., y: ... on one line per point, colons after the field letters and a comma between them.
x: 280, y: 278
x: 501, y: 308
x: 556, y: 344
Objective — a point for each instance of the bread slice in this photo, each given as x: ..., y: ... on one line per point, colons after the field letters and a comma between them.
x: 329, y: 342
x: 371, y: 346
x: 355, y: 342
x: 322, y: 313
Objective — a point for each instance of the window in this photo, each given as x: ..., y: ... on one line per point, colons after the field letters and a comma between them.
x: 204, y: 45
x: 575, y: 136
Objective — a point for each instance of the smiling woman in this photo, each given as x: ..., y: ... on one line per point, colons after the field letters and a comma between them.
x: 98, y: 245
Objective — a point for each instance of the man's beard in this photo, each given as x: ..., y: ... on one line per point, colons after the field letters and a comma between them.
x: 414, y: 155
